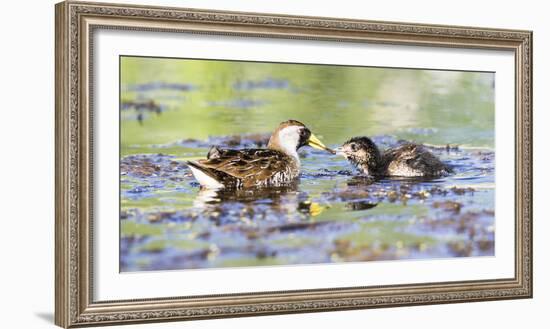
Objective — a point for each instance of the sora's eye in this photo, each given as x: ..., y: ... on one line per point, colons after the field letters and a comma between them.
x: 353, y: 147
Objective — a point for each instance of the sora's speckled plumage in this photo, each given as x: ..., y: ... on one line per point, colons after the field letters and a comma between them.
x: 279, y: 164
x: 407, y: 160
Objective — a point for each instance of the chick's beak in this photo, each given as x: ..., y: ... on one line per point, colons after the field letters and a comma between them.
x: 339, y: 151
x: 316, y: 144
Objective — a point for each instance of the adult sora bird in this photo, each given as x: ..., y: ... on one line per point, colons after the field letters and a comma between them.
x: 277, y: 165
x: 406, y: 160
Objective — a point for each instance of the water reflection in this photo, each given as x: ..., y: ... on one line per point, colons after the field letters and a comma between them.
x: 271, y: 203
x: 272, y: 195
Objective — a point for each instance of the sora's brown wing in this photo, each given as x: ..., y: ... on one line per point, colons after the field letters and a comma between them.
x: 250, y: 166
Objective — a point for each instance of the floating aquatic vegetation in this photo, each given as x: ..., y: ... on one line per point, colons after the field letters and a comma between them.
x: 421, y: 131
x: 332, y: 215
x: 448, y: 205
x: 233, y: 141
x: 159, y: 85
x: 267, y: 83
x: 141, y: 109
x: 238, y: 103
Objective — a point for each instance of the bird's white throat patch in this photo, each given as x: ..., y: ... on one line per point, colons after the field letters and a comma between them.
x: 289, y: 138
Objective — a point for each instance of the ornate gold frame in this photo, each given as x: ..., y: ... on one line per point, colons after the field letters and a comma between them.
x: 75, y: 23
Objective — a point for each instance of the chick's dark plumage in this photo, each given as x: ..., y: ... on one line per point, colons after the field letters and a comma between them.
x: 407, y: 160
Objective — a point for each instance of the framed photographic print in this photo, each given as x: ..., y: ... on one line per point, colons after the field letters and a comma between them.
x: 217, y: 164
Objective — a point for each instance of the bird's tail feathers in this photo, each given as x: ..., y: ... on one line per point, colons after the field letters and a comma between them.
x: 207, y: 177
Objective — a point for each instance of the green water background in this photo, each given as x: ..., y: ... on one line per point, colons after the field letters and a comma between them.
x: 336, y: 102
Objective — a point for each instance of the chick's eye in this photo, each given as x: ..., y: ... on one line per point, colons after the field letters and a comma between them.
x: 353, y: 147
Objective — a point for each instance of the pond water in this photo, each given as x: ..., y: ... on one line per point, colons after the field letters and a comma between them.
x: 174, y: 110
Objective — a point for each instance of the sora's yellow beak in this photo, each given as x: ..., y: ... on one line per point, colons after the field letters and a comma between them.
x: 316, y: 144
